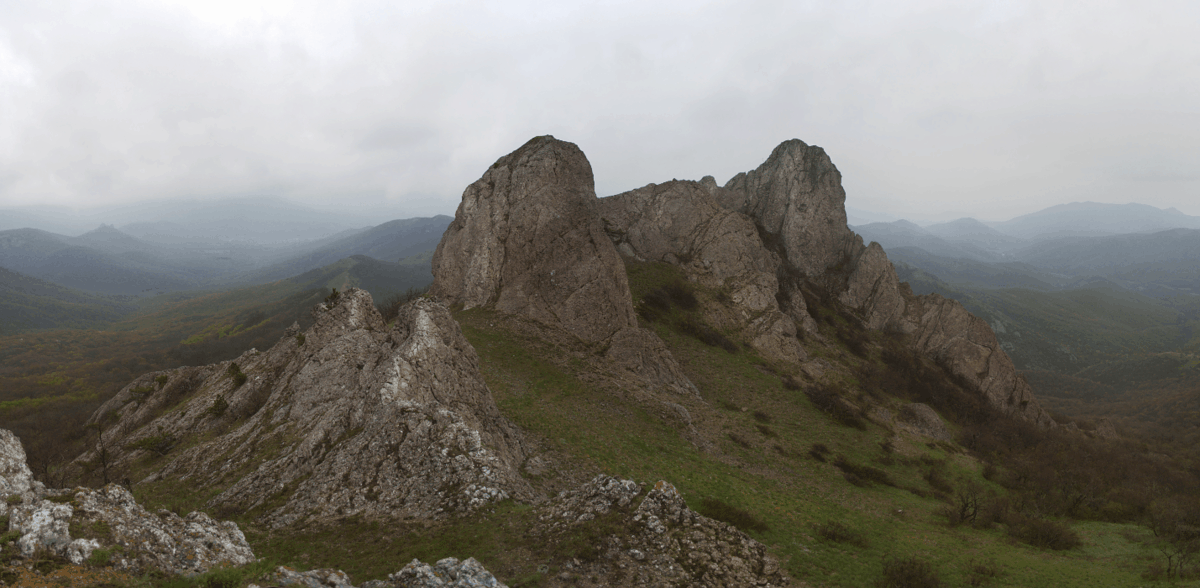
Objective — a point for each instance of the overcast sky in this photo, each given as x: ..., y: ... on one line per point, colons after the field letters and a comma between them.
x: 931, y: 110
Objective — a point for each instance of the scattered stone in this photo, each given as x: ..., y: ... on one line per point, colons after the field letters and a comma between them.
x: 320, y: 578
x: 447, y: 573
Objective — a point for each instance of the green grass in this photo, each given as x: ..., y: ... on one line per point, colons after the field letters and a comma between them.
x: 759, y: 476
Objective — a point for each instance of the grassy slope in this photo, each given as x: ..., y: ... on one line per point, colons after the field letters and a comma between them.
x: 762, y: 467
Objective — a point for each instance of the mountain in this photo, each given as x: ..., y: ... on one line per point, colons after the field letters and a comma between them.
x: 684, y: 384
x: 1086, y: 219
x: 975, y: 233
x: 390, y: 241
x: 27, y: 303
x: 895, y: 235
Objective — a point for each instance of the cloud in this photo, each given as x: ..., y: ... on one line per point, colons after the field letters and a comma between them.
x: 990, y: 109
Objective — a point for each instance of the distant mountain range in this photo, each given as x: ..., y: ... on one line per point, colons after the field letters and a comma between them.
x: 108, y: 261
x: 1134, y: 246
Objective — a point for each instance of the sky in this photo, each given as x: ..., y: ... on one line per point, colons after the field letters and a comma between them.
x: 931, y: 110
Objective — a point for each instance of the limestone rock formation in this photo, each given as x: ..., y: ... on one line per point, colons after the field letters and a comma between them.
x: 681, y: 223
x: 15, y: 476
x: 782, y: 224
x: 526, y: 239
x: 347, y: 418
x: 796, y: 194
x: 110, y: 519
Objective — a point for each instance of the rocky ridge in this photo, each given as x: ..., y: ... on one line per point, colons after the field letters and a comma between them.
x: 350, y: 417
x: 108, y: 527
x: 796, y: 204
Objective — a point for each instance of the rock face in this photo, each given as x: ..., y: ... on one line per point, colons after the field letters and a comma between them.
x: 111, y: 520
x: 15, y: 476
x: 796, y: 194
x: 347, y: 418
x: 770, y: 230
x: 526, y: 239
x: 681, y: 223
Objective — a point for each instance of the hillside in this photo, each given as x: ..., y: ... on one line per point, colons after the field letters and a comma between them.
x: 27, y: 304
x: 685, y: 384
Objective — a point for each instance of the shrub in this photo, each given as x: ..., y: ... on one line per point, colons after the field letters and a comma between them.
x: 707, y: 335
x: 1043, y: 533
x: 300, y: 339
x: 218, y: 408
x: 389, y: 309
x: 717, y: 509
x: 829, y: 400
x: 235, y: 372
x: 818, y: 452
x: 162, y: 380
x: 160, y: 443
x: 909, y: 572
x: 835, y: 531
x: 332, y: 299
x: 867, y: 474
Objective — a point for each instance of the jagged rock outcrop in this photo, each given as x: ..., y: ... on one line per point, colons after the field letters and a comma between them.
x: 527, y: 240
x: 795, y: 199
x: 681, y: 223
x: 112, y: 524
x: 347, y: 418
x: 15, y: 475
x: 796, y: 194
x: 662, y: 542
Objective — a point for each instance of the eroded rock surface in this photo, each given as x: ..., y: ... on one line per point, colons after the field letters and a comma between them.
x: 349, y: 417
x: 526, y: 239
x: 110, y: 519
x: 15, y: 475
x: 662, y: 542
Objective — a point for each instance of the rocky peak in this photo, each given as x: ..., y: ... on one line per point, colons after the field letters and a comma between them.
x: 349, y: 417
x: 796, y: 194
x: 526, y: 239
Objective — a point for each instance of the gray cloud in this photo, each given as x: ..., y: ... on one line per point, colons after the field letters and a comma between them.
x: 930, y: 109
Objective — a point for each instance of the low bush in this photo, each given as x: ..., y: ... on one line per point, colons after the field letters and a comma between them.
x: 854, y: 472
x: 828, y: 398
x: 908, y: 572
x: 714, y: 508
x: 1042, y: 533
x: 840, y: 533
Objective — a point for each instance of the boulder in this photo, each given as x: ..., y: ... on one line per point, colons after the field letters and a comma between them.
x: 15, y: 475
x: 923, y: 420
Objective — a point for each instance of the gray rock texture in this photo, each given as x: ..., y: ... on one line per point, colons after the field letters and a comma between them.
x: 111, y: 519
x: 15, y: 475
x: 526, y: 239
x: 347, y: 418
x: 923, y: 420
x: 662, y: 543
x: 681, y: 223
x: 768, y: 231
x: 446, y: 573
x: 796, y: 194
